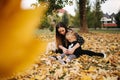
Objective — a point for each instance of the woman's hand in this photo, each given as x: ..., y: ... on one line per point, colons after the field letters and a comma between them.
x: 60, y: 46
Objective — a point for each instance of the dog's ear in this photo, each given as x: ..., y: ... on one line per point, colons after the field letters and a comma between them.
x: 50, y: 47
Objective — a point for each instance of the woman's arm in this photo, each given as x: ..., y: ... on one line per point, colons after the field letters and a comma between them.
x: 63, y: 49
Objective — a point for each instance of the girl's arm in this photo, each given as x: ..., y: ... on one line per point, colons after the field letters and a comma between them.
x: 71, y: 51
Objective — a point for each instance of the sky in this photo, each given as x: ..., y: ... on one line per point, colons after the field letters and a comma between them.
x: 26, y: 4
x: 110, y: 6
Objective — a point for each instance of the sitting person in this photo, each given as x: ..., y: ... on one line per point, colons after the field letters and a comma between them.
x: 72, y: 39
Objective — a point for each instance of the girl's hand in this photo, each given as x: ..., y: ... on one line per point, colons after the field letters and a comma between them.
x: 70, y: 51
x: 65, y: 50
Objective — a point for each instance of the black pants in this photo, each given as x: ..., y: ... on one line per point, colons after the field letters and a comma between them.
x: 91, y: 53
x: 78, y: 52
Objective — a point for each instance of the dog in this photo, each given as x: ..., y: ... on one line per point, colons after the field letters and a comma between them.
x: 50, y: 47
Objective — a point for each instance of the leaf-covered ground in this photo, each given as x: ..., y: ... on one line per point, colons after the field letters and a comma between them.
x: 83, y: 68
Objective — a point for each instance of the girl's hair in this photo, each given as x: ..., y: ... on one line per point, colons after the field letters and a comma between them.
x: 60, y: 37
x: 70, y: 33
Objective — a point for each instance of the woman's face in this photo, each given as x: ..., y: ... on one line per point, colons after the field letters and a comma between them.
x: 61, y: 30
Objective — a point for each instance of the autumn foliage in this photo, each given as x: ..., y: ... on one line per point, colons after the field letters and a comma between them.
x: 83, y: 68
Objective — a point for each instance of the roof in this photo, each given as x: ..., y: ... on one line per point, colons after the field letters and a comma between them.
x: 109, y: 16
x: 106, y: 15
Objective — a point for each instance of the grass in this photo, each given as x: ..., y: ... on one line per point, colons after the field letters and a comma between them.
x: 47, y: 31
x: 44, y: 31
x: 106, y: 31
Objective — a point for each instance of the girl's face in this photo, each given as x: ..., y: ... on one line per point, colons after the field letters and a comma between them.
x: 61, y: 30
x: 71, y: 37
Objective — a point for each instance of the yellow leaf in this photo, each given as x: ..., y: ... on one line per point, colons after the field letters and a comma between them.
x: 85, y: 77
x: 92, y: 69
x: 18, y: 48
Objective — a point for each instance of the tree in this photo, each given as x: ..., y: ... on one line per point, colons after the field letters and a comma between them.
x: 74, y: 21
x: 97, y: 14
x: 90, y: 15
x: 45, y: 23
x: 54, y: 5
x: 82, y: 11
x: 117, y: 18
x: 57, y: 4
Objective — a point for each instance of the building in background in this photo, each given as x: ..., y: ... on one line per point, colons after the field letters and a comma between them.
x: 108, y: 20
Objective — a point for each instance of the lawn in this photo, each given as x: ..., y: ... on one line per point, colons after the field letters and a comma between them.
x: 106, y: 31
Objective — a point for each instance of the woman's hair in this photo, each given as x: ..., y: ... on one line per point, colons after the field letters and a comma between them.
x: 59, y: 36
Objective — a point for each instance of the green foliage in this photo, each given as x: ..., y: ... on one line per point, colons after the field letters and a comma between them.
x: 117, y: 18
x: 51, y: 28
x: 65, y: 18
x: 54, y: 5
x: 90, y: 19
x: 45, y: 23
x: 94, y: 16
x: 90, y: 16
x: 75, y: 20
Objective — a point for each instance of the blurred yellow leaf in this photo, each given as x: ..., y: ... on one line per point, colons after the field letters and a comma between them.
x: 18, y: 48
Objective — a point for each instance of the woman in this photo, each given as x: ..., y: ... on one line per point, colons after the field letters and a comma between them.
x: 62, y: 43
x: 61, y: 30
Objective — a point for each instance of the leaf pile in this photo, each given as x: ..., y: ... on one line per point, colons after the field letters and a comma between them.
x: 83, y: 68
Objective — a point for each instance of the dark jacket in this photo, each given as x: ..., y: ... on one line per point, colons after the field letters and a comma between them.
x: 77, y: 52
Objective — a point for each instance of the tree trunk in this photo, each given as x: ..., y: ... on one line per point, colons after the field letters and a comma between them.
x: 83, y: 20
